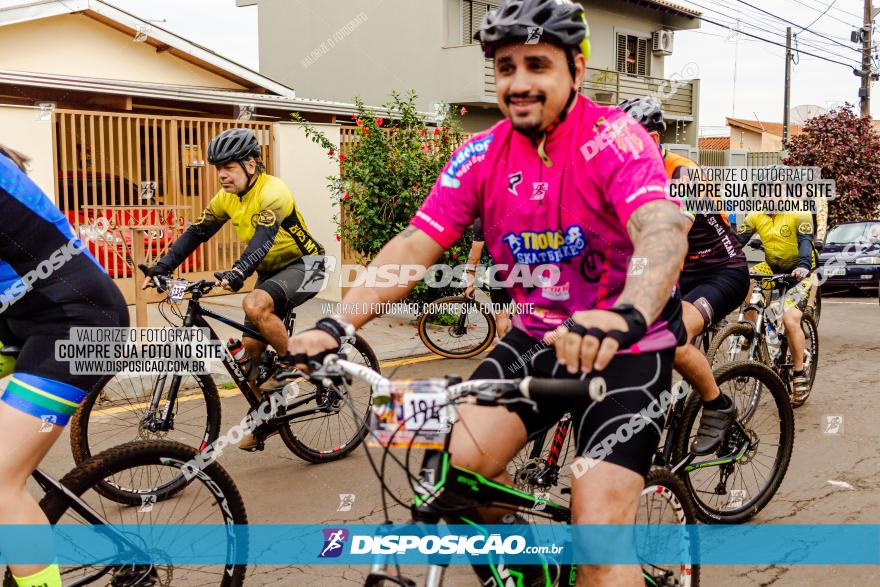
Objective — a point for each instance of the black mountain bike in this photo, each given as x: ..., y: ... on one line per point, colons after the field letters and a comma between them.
x: 208, y: 497
x: 730, y: 486
x: 764, y: 340
x: 187, y: 407
x: 441, y: 484
x: 457, y: 327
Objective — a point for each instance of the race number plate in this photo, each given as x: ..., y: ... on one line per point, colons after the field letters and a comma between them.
x: 414, y: 413
x: 178, y: 288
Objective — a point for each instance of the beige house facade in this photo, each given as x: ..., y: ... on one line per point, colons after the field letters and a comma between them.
x: 368, y: 48
x: 117, y: 113
x: 756, y: 135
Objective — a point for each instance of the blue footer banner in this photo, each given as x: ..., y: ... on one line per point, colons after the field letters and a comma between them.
x: 442, y: 544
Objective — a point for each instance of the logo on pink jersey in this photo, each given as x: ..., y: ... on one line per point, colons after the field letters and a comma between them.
x: 513, y: 180
x: 539, y: 190
x: 469, y: 155
x: 545, y: 246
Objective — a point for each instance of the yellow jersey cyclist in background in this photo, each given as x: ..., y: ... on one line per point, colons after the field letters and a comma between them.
x: 288, y: 261
x: 49, y: 283
x: 788, y: 248
x: 713, y: 283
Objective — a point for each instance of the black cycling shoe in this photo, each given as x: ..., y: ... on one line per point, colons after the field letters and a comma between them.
x: 713, y: 426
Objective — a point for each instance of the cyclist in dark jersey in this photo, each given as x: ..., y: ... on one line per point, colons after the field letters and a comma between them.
x: 713, y: 282
x: 49, y: 283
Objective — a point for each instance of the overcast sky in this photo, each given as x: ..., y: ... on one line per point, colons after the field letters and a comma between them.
x: 760, y: 66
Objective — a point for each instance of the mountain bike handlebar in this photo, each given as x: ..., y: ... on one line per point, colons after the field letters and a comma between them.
x: 163, y: 283
x: 486, y: 391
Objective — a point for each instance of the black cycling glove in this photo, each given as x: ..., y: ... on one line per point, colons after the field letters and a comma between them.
x: 635, y: 323
x: 233, y: 277
x: 337, y: 327
x: 158, y: 270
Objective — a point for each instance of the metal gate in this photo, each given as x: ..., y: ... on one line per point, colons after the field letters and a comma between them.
x: 126, y: 176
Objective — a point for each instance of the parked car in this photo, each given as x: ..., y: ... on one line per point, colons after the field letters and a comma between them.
x: 83, y: 203
x: 862, y: 266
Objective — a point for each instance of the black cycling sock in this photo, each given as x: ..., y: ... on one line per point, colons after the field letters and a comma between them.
x: 798, y: 373
x: 721, y: 402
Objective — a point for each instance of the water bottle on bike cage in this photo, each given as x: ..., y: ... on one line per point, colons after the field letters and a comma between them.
x: 773, y: 341
x: 241, y: 356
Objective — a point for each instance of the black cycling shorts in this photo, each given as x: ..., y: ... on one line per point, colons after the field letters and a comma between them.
x: 291, y: 286
x: 43, y: 386
x: 715, y: 293
x: 624, y: 429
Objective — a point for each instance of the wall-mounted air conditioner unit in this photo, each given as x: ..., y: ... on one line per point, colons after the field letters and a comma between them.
x: 662, y: 42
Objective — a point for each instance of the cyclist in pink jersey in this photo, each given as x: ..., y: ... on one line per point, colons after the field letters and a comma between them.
x: 573, y: 201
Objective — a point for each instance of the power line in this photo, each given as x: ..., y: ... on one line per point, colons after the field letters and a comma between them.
x: 794, y: 24
x: 776, y: 30
x: 762, y: 18
x: 840, y: 10
x: 748, y: 34
x: 830, y: 6
x: 740, y: 21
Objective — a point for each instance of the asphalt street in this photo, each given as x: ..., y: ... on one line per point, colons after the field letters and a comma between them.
x: 834, y: 478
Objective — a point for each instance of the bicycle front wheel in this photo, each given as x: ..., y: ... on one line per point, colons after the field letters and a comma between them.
x: 665, y: 501
x: 210, y: 497
x: 340, y: 423
x: 456, y: 327
x: 117, y: 410
x: 734, y: 343
x: 732, y: 490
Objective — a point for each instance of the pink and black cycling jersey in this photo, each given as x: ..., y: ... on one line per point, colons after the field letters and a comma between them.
x: 571, y: 214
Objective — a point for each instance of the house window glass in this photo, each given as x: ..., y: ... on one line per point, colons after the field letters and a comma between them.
x: 632, y: 55
x: 472, y: 13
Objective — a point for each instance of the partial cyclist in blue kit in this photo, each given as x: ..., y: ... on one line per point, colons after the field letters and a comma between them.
x: 50, y: 283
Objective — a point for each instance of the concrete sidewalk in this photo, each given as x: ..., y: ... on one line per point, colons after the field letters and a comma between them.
x: 391, y: 337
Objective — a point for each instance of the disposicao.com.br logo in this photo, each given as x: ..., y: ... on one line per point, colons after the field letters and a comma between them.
x: 334, y: 542
x: 493, y: 544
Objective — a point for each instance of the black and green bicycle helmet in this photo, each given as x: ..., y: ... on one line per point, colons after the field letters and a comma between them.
x: 560, y: 22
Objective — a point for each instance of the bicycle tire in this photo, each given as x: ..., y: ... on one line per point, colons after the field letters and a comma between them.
x: 811, y: 336
x: 82, y: 448
x: 735, y: 329
x: 816, y: 308
x: 92, y: 472
x: 436, y: 347
x: 771, y: 381
x: 294, y: 441
x: 660, y: 480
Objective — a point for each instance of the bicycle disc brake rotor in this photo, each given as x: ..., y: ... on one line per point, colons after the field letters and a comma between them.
x: 137, y: 576
x: 528, y: 471
x: 456, y: 332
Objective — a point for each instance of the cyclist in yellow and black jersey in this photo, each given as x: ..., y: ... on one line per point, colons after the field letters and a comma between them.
x: 788, y: 248
x: 289, y: 262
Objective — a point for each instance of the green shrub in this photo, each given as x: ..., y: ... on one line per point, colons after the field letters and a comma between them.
x: 386, y: 175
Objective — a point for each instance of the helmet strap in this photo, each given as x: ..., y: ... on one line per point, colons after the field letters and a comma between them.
x: 250, y: 177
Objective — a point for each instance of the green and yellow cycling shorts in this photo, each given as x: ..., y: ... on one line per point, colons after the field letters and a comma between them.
x: 797, y: 296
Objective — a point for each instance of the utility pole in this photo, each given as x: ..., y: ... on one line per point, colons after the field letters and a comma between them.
x: 785, y: 113
x: 865, y: 92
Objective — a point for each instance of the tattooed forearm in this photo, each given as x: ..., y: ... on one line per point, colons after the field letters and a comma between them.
x: 408, y: 231
x: 659, y: 234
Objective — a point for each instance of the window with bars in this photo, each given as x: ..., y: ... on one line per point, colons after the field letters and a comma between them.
x: 472, y: 13
x: 632, y: 54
